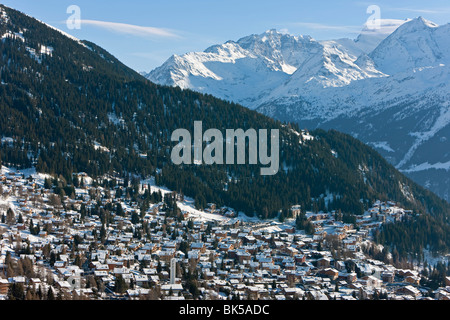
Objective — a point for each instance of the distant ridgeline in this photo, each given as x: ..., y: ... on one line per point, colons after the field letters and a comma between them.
x: 69, y: 106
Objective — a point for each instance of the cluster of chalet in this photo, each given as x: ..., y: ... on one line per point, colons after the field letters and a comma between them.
x: 230, y: 256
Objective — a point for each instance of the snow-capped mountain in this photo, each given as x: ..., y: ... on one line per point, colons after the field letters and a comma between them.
x: 404, y: 114
x: 248, y: 70
x: 387, y: 87
x: 419, y: 43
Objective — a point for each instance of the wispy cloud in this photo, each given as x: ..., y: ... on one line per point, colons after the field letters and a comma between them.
x: 131, y: 29
x: 326, y: 27
x: 429, y: 10
x: 422, y: 11
x: 386, y: 26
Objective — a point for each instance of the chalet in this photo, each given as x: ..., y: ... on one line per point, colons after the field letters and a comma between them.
x: 140, y: 279
x: 387, y: 277
x: 407, y: 273
x: 220, y: 234
x: 35, y: 283
x: 4, y: 286
x: 226, y: 247
x: 18, y: 279
x: 243, y: 256
x: 442, y: 294
x: 370, y: 281
x: 351, y: 277
x: 329, y: 273
x: 59, y: 264
x: 408, y: 290
x: 415, y: 280
x: 150, y: 248
x: 340, y: 265
x: 249, y: 239
x: 112, y: 264
x: 166, y: 255
x: 252, y: 292
x: 296, y: 210
x: 279, y: 244
x: 300, y: 258
x: 100, y: 274
x: 200, y: 246
x: 234, y: 233
x: 120, y: 271
x: 128, y: 277
x: 323, y: 262
x: 63, y: 285
x: 174, y: 288
x: 199, y: 225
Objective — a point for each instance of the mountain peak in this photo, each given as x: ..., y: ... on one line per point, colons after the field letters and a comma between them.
x: 426, y: 22
x: 272, y: 31
x: 417, y: 24
x: 417, y: 43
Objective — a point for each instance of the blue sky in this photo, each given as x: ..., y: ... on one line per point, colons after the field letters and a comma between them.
x: 143, y: 34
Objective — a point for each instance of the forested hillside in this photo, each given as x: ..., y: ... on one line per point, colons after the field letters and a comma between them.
x: 69, y: 106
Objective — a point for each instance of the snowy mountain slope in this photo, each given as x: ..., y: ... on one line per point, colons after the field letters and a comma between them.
x: 419, y: 43
x: 388, y: 87
x: 248, y: 70
x: 404, y: 114
x: 231, y: 67
x: 370, y: 37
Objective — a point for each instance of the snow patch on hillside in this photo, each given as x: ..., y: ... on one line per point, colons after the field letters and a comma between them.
x: 382, y: 145
x: 427, y: 166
